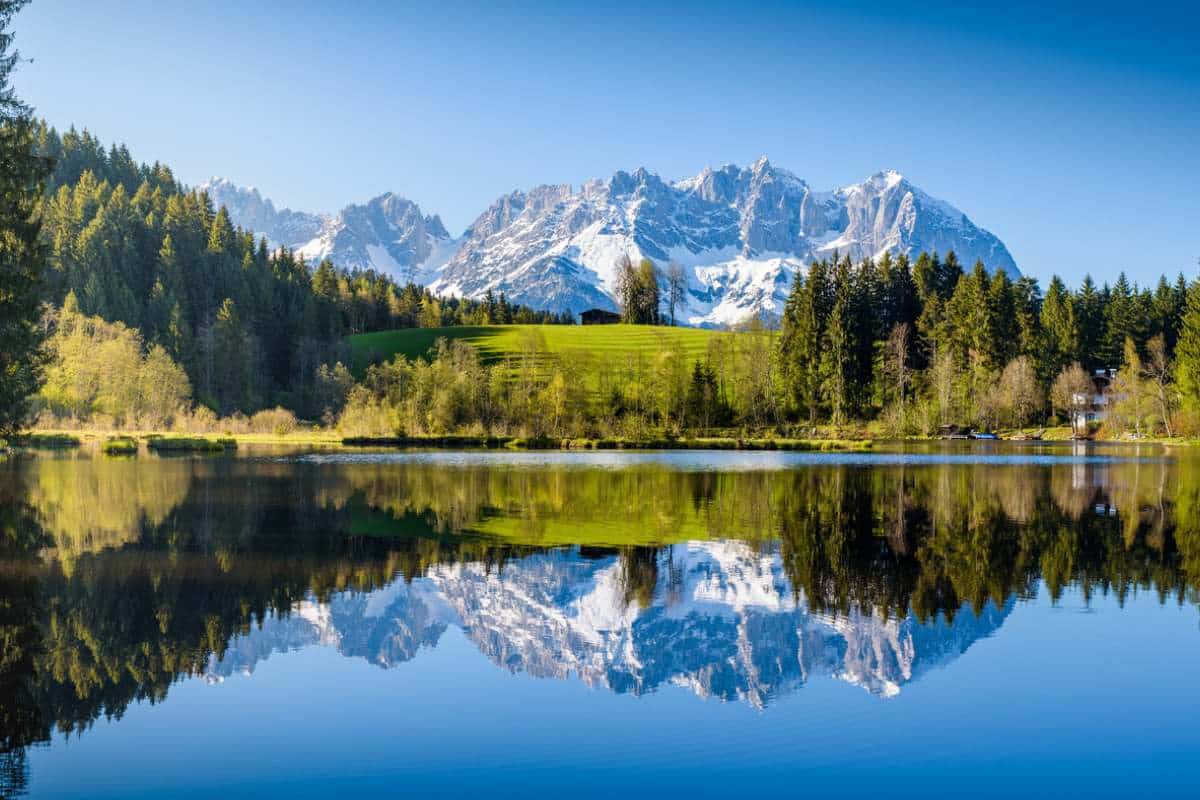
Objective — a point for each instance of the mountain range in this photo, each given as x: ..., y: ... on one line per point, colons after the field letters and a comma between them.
x: 723, y: 622
x: 740, y: 233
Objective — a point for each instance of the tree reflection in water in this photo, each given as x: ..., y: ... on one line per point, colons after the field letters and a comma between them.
x: 118, y: 578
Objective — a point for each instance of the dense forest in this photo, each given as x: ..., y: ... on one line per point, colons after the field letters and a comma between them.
x: 888, y: 346
x: 236, y: 327
x: 251, y: 327
x: 927, y: 343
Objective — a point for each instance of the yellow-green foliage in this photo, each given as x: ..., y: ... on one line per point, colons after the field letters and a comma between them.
x: 46, y: 440
x: 120, y: 446
x: 86, y: 505
x: 190, y: 444
x: 100, y: 368
x: 562, y: 381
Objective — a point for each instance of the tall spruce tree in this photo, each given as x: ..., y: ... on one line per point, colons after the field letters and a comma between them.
x: 1122, y: 320
x: 1028, y: 298
x: 1060, y: 330
x: 838, y: 356
x: 23, y: 175
x: 1089, y: 316
x: 1187, y: 354
x: 800, y: 341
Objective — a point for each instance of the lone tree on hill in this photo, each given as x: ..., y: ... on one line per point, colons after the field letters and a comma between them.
x: 676, y: 287
x: 638, y: 291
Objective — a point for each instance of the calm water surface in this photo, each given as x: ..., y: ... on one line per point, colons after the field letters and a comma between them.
x: 982, y: 620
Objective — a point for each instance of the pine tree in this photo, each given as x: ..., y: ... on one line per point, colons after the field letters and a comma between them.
x: 1089, y: 316
x: 1166, y: 311
x: 800, y: 341
x: 1028, y: 298
x: 1060, y: 330
x: 232, y: 358
x: 1004, y: 330
x: 837, y: 359
x: 22, y: 253
x: 1122, y: 321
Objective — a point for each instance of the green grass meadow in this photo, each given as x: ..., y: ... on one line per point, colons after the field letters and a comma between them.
x: 605, y: 343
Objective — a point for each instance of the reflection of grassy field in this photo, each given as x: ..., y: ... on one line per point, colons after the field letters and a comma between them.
x: 594, y: 532
x: 613, y: 343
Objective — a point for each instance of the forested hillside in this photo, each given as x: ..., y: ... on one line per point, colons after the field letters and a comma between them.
x: 886, y: 346
x: 251, y: 328
x: 145, y: 278
x: 928, y: 343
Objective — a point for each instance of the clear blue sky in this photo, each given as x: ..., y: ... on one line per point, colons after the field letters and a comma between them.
x: 1074, y: 135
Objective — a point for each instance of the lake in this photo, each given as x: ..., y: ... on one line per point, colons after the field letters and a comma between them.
x: 938, y: 620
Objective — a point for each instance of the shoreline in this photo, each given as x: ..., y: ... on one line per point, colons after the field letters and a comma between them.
x: 160, y: 441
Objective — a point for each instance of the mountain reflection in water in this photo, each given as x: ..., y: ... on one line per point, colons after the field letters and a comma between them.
x: 723, y: 621
x: 119, y: 578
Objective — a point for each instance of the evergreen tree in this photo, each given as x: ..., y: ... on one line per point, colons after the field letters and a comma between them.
x: 837, y: 359
x: 800, y: 341
x: 1060, y: 330
x: 1122, y: 320
x: 232, y: 361
x: 1166, y: 311
x: 1028, y: 299
x: 1004, y: 330
x: 22, y: 253
x: 1089, y: 316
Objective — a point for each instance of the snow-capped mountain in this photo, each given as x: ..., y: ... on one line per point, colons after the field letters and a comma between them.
x: 387, y: 233
x: 249, y: 209
x: 740, y: 233
x: 724, y: 622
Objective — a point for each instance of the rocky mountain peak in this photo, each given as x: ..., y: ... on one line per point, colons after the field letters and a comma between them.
x: 741, y: 234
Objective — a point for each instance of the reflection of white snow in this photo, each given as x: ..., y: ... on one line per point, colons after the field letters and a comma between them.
x: 724, y: 622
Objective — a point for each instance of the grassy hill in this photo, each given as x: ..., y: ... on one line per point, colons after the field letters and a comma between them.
x: 611, y: 344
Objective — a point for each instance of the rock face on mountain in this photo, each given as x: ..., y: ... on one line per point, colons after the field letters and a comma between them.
x: 740, y: 233
x: 387, y: 233
x: 249, y: 209
x: 723, y: 622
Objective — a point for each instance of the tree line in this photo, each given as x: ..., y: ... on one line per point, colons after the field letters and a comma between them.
x: 111, y: 595
x: 926, y: 343
x: 250, y: 325
x: 889, y: 345
x: 906, y: 346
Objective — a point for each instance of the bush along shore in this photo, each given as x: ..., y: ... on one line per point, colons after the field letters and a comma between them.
x: 123, y: 444
x: 120, y: 446
x: 553, y: 443
x: 190, y: 444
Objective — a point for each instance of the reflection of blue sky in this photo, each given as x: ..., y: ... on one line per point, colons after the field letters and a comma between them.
x: 1057, y: 701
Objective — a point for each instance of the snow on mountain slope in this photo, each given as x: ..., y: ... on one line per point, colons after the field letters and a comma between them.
x: 388, y: 233
x: 740, y: 233
x: 723, y: 622
x: 249, y: 209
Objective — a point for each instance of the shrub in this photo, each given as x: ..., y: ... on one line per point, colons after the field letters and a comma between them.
x: 278, y: 421
x: 120, y: 446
